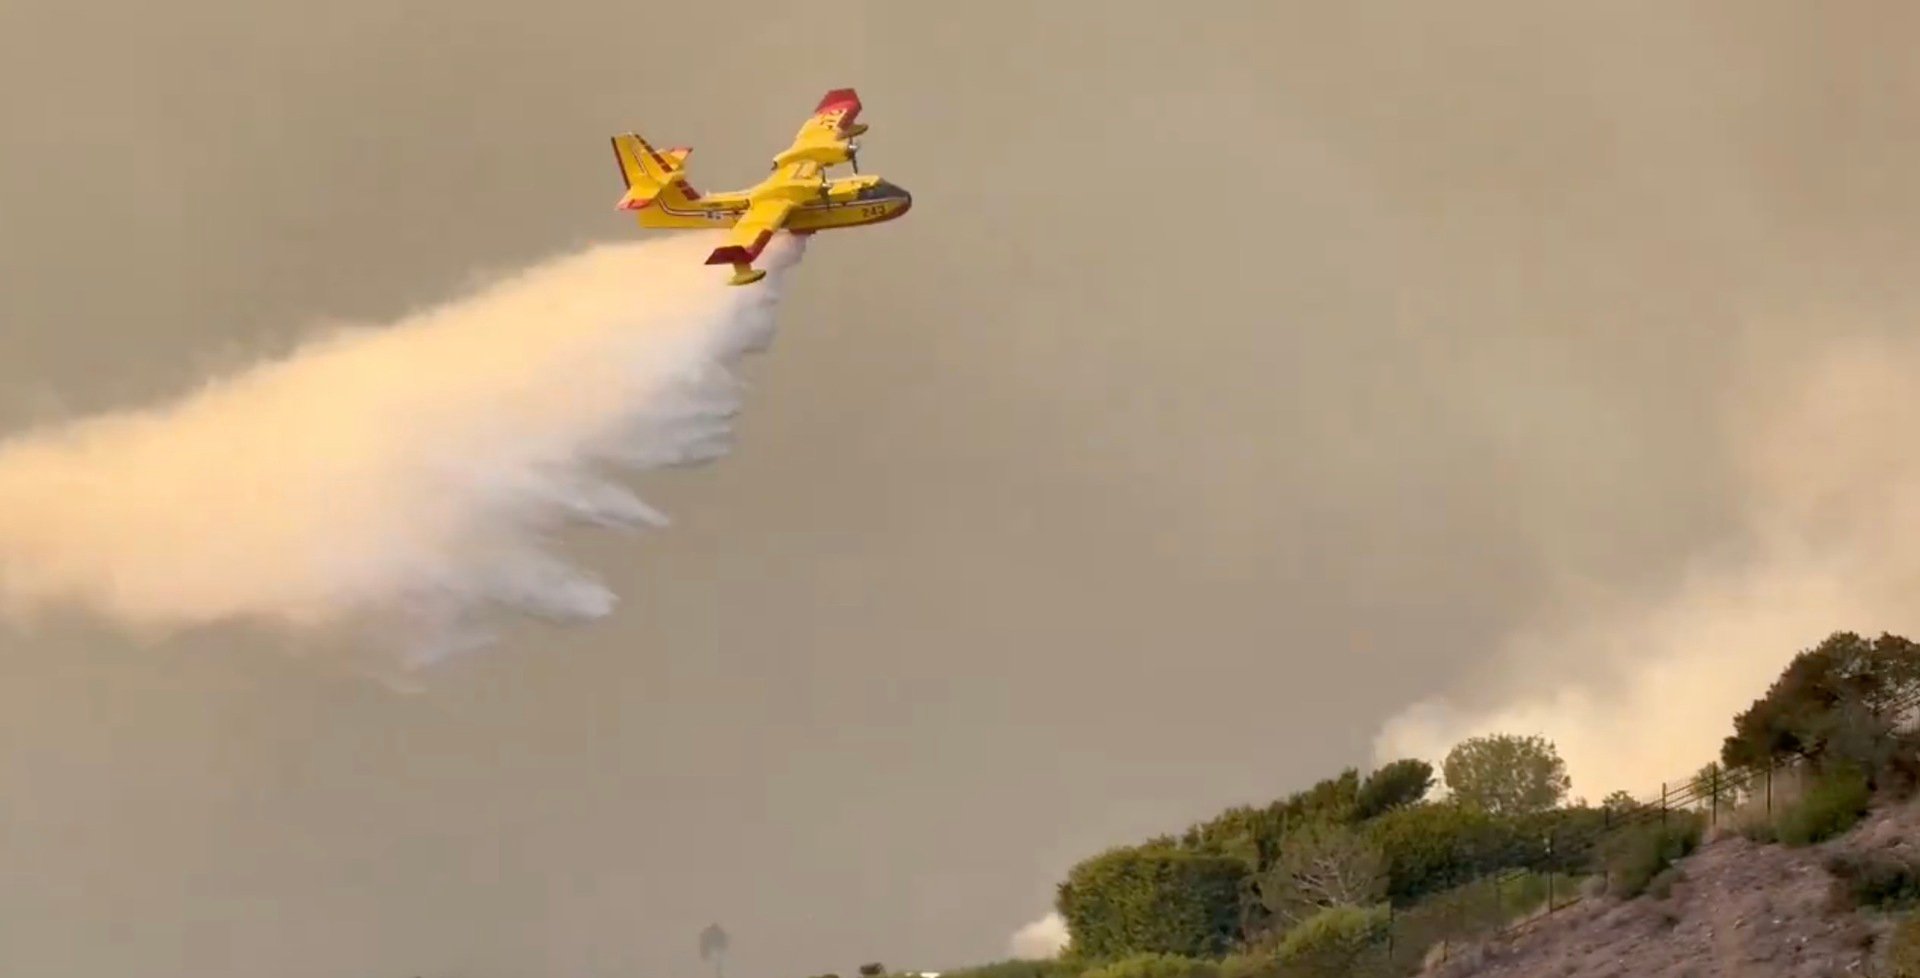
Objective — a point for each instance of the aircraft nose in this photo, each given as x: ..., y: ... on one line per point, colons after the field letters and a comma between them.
x: 885, y: 192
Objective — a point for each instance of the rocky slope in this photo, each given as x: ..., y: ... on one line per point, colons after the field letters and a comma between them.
x: 1736, y: 910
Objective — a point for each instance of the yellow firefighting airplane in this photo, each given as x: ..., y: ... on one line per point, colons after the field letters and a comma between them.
x: 799, y: 196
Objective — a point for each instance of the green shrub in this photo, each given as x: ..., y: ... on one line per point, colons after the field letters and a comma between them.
x: 1903, y: 950
x: 1878, y: 879
x: 1638, y: 853
x: 1249, y: 834
x: 1432, y: 847
x: 1337, y: 941
x: 1661, y: 886
x: 1250, y: 964
x: 1463, y: 913
x: 1156, y: 966
x: 1153, y: 900
x: 1254, y: 834
x: 1830, y: 807
x: 1899, y: 778
x: 1063, y: 967
x: 1561, y: 840
x: 1396, y: 785
x: 1756, y: 824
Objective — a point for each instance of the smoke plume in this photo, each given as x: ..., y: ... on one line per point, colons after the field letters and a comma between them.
x: 405, y: 478
x: 1830, y: 498
x: 1043, y: 938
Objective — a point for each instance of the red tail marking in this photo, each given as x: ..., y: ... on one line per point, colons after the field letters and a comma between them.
x: 843, y: 100
x: 836, y: 99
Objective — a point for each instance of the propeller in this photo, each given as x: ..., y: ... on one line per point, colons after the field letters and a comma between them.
x: 853, y: 155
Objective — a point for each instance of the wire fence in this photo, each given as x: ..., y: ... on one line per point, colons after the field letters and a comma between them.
x: 1569, y: 867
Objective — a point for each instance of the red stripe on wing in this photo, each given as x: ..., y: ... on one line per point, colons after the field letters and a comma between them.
x: 729, y: 254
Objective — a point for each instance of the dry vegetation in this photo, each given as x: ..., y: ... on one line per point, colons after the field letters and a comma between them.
x: 1735, y: 908
x: 1795, y: 855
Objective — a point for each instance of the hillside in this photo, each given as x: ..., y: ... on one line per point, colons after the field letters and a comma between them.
x: 1792, y: 854
x: 1735, y: 908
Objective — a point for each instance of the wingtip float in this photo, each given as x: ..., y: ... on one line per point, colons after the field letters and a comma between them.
x: 798, y: 195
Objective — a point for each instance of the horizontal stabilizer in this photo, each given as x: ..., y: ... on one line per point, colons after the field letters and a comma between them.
x: 733, y: 254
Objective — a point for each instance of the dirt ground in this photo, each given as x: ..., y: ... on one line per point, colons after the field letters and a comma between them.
x: 1739, y: 910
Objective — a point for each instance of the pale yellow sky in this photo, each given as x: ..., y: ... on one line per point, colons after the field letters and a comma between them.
x: 1244, y: 373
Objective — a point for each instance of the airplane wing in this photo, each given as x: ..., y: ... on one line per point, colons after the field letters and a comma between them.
x: 823, y: 137
x: 833, y: 119
x: 752, y: 232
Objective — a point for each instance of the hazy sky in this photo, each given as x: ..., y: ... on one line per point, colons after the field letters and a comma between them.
x: 1244, y: 373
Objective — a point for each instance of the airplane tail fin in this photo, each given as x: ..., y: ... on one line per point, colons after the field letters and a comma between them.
x: 650, y: 173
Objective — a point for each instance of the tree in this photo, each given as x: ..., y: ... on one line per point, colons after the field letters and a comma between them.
x: 1253, y: 835
x: 1400, y: 783
x: 1619, y: 801
x: 1323, y: 864
x: 1154, y: 899
x: 1245, y: 833
x: 1835, y: 694
x: 1506, y: 774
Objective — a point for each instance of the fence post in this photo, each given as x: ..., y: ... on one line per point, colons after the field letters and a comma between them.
x: 1663, y: 804
x: 1550, y: 865
x: 1714, y: 818
x: 1389, y: 931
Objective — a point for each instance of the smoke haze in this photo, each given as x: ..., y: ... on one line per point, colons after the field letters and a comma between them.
x: 1535, y: 363
x: 1829, y: 495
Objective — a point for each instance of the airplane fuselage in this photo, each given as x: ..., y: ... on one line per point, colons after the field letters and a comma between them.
x: 797, y: 196
x: 839, y: 203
